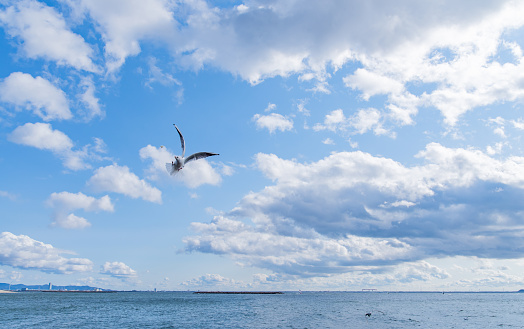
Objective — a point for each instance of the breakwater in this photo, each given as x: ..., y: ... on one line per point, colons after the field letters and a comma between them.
x: 241, y: 292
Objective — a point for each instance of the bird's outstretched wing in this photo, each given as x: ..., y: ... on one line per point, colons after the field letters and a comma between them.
x: 181, y: 140
x: 171, y: 168
x: 199, y: 155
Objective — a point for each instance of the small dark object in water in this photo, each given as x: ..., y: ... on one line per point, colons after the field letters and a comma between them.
x: 368, y: 314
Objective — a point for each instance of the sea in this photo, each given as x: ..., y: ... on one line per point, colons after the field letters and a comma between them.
x: 287, y: 310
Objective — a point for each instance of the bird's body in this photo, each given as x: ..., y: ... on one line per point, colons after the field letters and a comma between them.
x: 180, y: 161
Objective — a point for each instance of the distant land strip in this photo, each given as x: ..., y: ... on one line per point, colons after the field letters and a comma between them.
x: 241, y: 292
x: 75, y: 291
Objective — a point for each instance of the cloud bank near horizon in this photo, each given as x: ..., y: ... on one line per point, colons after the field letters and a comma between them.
x: 353, y: 211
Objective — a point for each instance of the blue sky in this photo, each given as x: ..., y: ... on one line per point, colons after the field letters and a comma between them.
x: 361, y: 144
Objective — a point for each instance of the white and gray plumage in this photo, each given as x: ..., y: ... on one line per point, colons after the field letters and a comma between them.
x: 180, y: 162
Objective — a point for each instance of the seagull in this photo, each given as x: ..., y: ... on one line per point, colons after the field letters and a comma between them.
x: 180, y: 162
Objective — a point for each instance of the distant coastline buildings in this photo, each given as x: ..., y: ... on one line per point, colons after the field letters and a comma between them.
x: 49, y: 287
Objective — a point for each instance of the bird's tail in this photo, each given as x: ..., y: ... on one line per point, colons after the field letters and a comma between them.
x: 171, y: 168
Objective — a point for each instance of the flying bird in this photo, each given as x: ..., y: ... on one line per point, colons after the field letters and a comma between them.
x: 180, y: 162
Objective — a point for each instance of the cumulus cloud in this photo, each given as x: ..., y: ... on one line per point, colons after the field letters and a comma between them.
x: 307, y: 255
x: 336, y: 120
x: 45, y: 34
x: 118, y: 270
x: 123, y: 25
x: 367, y: 119
x: 447, y: 48
x: 456, y: 64
x: 44, y: 137
x: 120, y: 179
x: 270, y: 107
x: 360, y: 122
x: 444, y: 55
x: 351, y: 211
x: 213, y: 280
x: 35, y: 94
x: 328, y: 141
x: 193, y: 175
x: 21, y: 251
x: 273, y: 122
x: 64, y: 203
x: 280, y: 39
x: 398, y: 276
x: 518, y: 124
x: 371, y: 83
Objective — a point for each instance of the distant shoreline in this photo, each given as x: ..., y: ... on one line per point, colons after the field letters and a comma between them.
x: 7, y: 292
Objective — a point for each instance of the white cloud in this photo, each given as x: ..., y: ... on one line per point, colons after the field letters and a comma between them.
x: 35, y: 94
x: 352, y: 211
x: 372, y: 83
x: 306, y: 37
x: 213, y: 280
x: 70, y: 221
x: 194, y: 174
x: 292, y: 254
x: 64, y: 203
x: 45, y: 35
x: 270, y: 107
x: 461, y: 167
x: 401, y: 203
x: 447, y: 47
x: 89, y: 100
x: 336, y: 120
x: 43, y: 137
x: 119, y: 179
x: 199, y: 172
x: 367, y: 119
x: 458, y: 62
x: 419, y: 271
x: 23, y: 252
x: 124, y: 24
x: 157, y: 76
x: 227, y: 170
x: 273, y: 122
x: 13, y: 276
x: 442, y: 55
x: 519, y: 124
x: 360, y: 122
x: 328, y: 141
x: 159, y: 156
x: 495, y: 149
x: 118, y: 270
x: 301, y: 107
x: 399, y: 276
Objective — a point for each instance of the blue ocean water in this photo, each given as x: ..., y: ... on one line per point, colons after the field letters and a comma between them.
x: 289, y: 310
